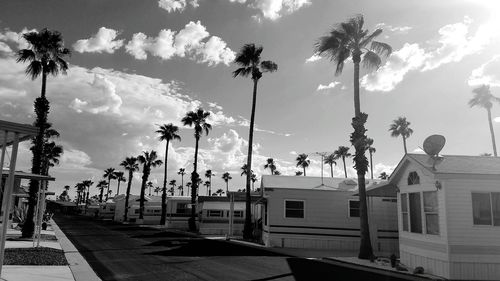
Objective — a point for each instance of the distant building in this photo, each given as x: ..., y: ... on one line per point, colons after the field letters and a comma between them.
x: 323, y: 213
x: 449, y: 214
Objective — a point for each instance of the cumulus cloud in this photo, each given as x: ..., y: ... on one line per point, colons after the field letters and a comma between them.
x: 395, y: 29
x: 487, y: 73
x: 102, y: 41
x: 455, y: 41
x: 188, y: 42
x: 313, y: 58
x: 15, y: 37
x: 274, y: 9
x: 103, y: 100
x: 176, y: 5
x: 332, y: 85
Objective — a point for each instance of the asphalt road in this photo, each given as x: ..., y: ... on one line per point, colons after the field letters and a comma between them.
x: 129, y: 252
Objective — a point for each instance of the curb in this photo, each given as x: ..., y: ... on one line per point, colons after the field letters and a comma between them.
x: 79, y: 266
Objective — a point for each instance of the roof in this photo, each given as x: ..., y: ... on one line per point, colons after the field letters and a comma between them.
x: 238, y: 197
x: 314, y: 183
x: 24, y: 175
x: 25, y: 132
x: 459, y: 164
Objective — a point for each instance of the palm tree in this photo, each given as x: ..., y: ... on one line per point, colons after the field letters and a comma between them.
x: 350, y: 40
x: 277, y: 173
x: 148, y: 160
x: 149, y: 185
x: 87, y: 184
x: 46, y: 54
x: 182, y: 172
x: 80, y: 191
x: 303, y: 162
x: 298, y: 173
x: 207, y: 185
x: 167, y: 132
x: 401, y: 127
x: 130, y: 164
x: 109, y: 173
x: 156, y: 190
x: 51, y: 154
x: 180, y: 188
x: 244, y: 170
x: 119, y: 176
x: 254, y: 179
x: 173, y: 184
x: 101, y: 185
x: 209, y: 175
x: 219, y: 192
x: 383, y: 176
x: 270, y: 165
x: 330, y: 160
x: 249, y: 61
x: 198, y: 119
x: 342, y: 152
x: 371, y: 150
x: 226, y: 177
x: 188, y: 185
x: 483, y: 98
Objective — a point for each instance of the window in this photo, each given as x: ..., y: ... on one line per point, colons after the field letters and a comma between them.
x: 238, y: 214
x: 215, y: 213
x: 294, y: 209
x: 413, y: 178
x: 404, y: 210
x: 431, y: 212
x: 353, y: 208
x: 486, y: 208
x: 182, y: 208
x: 415, y: 213
x: 136, y: 211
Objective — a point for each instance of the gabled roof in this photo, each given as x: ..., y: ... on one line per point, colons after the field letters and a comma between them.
x: 314, y: 183
x: 459, y: 164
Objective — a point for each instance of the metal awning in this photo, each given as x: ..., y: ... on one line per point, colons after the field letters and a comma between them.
x: 24, y: 175
x: 25, y: 132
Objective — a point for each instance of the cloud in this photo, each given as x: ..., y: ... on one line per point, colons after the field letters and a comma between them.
x: 102, y: 41
x: 488, y: 73
x: 104, y: 98
x: 455, y: 41
x: 395, y: 29
x: 332, y: 85
x: 313, y: 58
x: 188, y: 42
x: 274, y: 9
x: 176, y: 5
x: 5, y: 48
x: 15, y: 37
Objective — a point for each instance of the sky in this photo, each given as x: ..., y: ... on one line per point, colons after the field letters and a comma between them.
x: 139, y: 64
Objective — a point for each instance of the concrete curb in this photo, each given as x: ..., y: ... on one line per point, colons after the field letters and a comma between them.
x: 79, y: 266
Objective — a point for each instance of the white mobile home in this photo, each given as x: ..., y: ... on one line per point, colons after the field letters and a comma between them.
x: 449, y: 215
x: 178, y: 212
x: 323, y: 213
x: 152, y: 209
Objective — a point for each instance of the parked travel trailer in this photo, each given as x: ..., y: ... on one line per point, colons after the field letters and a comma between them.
x: 449, y: 214
x: 323, y: 213
x: 214, y: 213
x: 152, y: 209
x: 107, y: 209
x: 178, y: 212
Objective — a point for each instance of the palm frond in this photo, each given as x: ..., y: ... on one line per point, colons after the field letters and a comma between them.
x: 381, y: 48
x: 369, y: 38
x: 242, y: 71
x: 371, y: 60
x: 34, y: 69
x: 25, y: 55
x: 268, y: 66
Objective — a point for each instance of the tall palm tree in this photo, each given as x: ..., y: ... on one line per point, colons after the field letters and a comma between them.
x: 101, y: 185
x: 209, y: 175
x: 198, y: 119
x: 188, y: 185
x: 148, y: 160
x: 119, y: 176
x: 157, y: 190
x: 244, y: 170
x: 349, y: 40
x: 182, y: 172
x: 303, y: 162
x: 87, y: 184
x: 167, y: 132
x: 371, y: 150
x: 342, y: 152
x: 483, y: 98
x: 276, y: 173
x: 249, y: 61
x: 207, y: 185
x: 45, y: 54
x: 109, y: 173
x: 181, y: 190
x: 80, y: 191
x: 219, y: 192
x: 401, y: 127
x: 270, y: 165
x: 299, y: 173
x: 130, y: 164
x: 330, y: 161
x: 173, y: 184
x: 254, y: 179
x: 226, y: 177
x: 51, y: 154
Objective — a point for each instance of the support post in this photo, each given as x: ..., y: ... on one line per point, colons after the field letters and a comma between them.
x: 7, y: 197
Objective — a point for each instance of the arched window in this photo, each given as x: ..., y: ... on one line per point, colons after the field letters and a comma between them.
x: 413, y: 178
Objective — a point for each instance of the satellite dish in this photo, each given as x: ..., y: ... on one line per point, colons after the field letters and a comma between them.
x: 433, y: 144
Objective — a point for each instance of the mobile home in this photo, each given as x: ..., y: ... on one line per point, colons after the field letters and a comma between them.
x: 449, y: 215
x: 323, y: 213
x: 152, y: 209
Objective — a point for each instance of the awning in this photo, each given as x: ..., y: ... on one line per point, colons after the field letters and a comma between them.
x: 25, y: 131
x: 383, y: 190
x: 24, y: 175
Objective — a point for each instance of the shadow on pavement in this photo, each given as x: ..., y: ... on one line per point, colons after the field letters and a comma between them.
x: 204, y: 247
x: 161, y: 234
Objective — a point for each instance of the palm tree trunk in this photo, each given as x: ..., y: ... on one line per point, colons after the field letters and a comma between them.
x: 182, y: 182
x: 371, y: 164
x: 100, y: 194
x: 492, y: 133
x: 345, y: 169
x: 164, y: 191
x: 145, y: 175
x: 404, y: 144
x: 130, y: 176
x: 118, y: 187
x: 304, y: 171
x: 194, y: 185
x: 107, y: 190
x: 227, y: 186
x: 331, y: 170
x: 247, y: 229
